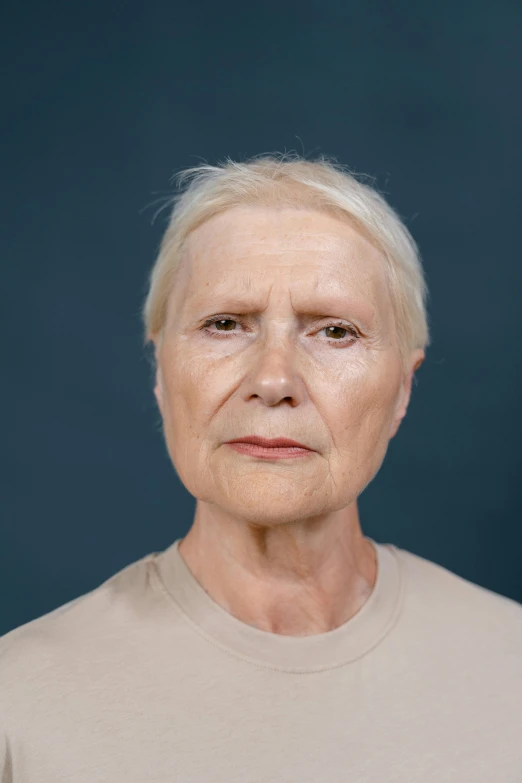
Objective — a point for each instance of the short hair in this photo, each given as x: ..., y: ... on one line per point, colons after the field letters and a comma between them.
x: 289, y: 180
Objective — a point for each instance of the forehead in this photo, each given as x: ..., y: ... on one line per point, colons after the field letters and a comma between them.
x: 257, y: 230
x: 306, y: 249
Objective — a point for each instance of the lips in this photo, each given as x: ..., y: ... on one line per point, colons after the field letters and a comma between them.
x: 270, y: 442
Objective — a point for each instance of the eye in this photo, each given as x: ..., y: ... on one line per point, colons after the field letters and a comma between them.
x: 351, y: 334
x: 344, y: 328
x: 218, y: 320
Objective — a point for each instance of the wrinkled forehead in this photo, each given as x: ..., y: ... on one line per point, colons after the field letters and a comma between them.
x: 246, y: 249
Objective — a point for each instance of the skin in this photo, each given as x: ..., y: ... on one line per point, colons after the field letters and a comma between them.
x: 278, y: 544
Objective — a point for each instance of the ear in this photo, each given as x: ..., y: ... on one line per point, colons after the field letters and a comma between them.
x: 416, y: 359
x: 158, y: 389
x: 158, y: 386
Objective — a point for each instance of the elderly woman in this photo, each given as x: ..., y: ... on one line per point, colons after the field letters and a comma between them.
x: 274, y: 642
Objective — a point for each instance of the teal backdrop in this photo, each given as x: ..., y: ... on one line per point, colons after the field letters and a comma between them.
x: 103, y: 102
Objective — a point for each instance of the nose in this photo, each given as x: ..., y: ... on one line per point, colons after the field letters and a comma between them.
x: 274, y: 376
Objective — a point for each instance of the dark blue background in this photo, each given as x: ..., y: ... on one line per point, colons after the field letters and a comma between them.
x: 103, y: 102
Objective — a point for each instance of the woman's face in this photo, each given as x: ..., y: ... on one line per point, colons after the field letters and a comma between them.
x: 277, y: 279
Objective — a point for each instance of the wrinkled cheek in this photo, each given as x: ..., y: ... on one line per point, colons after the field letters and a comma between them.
x: 184, y: 437
x: 363, y: 442
x: 375, y: 439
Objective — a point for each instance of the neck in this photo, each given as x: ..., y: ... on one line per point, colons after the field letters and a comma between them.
x: 297, y: 579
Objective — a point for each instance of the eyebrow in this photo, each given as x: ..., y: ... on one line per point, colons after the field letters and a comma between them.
x: 319, y: 305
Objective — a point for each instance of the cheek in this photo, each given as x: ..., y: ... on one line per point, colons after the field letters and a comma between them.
x: 362, y: 413
x: 184, y: 380
x: 191, y: 399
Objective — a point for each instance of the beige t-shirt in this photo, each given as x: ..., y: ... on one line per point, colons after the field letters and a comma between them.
x: 146, y: 678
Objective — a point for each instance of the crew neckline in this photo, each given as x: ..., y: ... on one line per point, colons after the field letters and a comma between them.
x: 340, y: 646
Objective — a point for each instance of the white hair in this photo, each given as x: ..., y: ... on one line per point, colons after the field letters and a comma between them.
x: 290, y: 180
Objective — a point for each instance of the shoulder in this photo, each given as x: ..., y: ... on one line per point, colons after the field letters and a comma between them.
x: 448, y: 603
x: 58, y: 641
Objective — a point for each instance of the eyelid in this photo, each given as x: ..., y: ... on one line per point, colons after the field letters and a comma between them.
x: 239, y: 318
